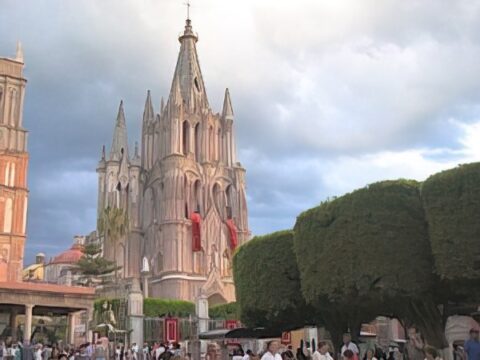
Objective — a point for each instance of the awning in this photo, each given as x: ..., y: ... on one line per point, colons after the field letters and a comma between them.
x: 240, y: 333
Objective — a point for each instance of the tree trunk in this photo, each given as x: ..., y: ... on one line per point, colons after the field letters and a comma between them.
x: 429, y: 320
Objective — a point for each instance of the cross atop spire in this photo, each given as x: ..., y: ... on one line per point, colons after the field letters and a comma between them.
x: 187, y: 4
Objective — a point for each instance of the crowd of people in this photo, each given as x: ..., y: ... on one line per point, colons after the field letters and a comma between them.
x: 414, y: 349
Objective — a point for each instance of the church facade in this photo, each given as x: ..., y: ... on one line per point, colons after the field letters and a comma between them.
x: 183, y: 190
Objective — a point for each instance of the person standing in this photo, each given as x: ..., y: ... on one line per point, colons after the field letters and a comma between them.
x: 431, y: 353
x: 322, y: 352
x: 415, y: 345
x: 272, y: 351
x: 370, y: 355
x: 472, y: 345
x: 134, y: 351
x: 349, y: 345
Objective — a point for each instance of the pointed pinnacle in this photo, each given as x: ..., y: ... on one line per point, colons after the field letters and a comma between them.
x: 227, y: 105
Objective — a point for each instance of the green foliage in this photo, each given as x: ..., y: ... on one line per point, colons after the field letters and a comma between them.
x: 452, y: 204
x: 366, y: 250
x: 154, y: 307
x: 267, y: 282
x: 228, y: 311
x: 113, y: 225
x: 93, y: 267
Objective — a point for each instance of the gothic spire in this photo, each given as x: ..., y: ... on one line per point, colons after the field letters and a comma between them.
x: 227, y: 112
x: 120, y: 141
x: 148, y: 113
x: 187, y: 74
x: 19, y: 52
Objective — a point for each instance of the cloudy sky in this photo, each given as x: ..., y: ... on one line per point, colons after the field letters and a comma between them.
x: 328, y: 95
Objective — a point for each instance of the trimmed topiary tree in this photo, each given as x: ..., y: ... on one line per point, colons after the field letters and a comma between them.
x: 452, y: 204
x: 267, y: 283
x: 365, y: 254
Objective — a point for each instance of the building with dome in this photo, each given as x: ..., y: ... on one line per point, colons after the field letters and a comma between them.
x: 36, y: 271
x: 61, y: 268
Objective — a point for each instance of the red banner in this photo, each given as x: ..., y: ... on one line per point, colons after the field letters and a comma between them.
x: 286, y: 338
x: 231, y: 324
x: 232, y: 229
x: 171, y: 330
x: 196, y: 236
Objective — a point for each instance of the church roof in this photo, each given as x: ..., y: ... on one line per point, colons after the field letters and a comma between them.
x: 187, y: 84
x: 70, y: 256
x: 120, y: 141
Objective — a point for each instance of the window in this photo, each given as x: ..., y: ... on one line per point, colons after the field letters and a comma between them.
x: 211, y: 143
x: 197, y: 86
x: 7, y: 224
x: 185, y: 137
x: 197, y: 143
x: 217, y: 199
x: 197, y: 195
x: 229, y: 206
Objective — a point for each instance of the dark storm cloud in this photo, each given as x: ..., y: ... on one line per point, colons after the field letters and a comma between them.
x: 328, y: 96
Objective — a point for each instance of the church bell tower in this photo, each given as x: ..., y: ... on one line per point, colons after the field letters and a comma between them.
x: 13, y: 168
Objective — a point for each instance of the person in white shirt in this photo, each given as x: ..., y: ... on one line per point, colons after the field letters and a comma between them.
x: 247, y: 355
x: 38, y: 352
x: 348, y: 345
x: 272, y: 351
x: 159, y: 351
x: 322, y: 352
x: 135, y: 351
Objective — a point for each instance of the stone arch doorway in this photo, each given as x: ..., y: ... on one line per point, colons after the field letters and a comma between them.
x: 216, y: 299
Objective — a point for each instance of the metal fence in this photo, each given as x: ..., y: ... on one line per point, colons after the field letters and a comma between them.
x: 154, y: 328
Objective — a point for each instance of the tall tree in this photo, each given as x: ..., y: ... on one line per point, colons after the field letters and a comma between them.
x: 113, y: 226
x: 93, y: 267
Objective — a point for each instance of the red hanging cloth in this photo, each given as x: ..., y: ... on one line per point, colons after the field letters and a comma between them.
x: 196, y: 238
x: 232, y: 229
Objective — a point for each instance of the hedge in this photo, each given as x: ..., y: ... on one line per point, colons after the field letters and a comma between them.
x: 452, y: 204
x: 267, y: 282
x: 153, y: 307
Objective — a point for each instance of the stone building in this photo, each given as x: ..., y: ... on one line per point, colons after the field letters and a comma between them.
x: 183, y: 190
x: 22, y: 301
x: 13, y: 168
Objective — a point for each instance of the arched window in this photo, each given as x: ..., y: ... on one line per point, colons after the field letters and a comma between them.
x: 197, y: 196
x: 7, y: 223
x: 1, y: 107
x: 217, y: 142
x: 229, y: 205
x: 12, y: 174
x: 185, y: 193
x: 211, y: 144
x: 185, y: 137
x: 198, y: 144
x: 217, y: 199
x: 7, y: 174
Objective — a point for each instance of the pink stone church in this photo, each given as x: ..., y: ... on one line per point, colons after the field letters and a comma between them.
x: 183, y: 190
